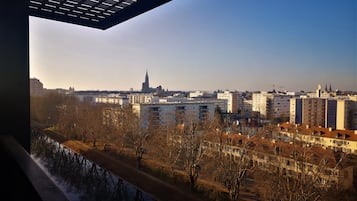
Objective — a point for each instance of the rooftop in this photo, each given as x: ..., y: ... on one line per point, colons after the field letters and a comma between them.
x: 320, y: 131
x: 311, y: 154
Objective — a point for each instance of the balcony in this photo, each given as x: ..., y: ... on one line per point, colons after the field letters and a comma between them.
x: 21, y: 178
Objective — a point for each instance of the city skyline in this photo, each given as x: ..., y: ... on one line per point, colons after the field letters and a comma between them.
x: 188, y: 45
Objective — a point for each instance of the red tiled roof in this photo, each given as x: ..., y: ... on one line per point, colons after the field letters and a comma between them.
x: 319, y: 131
x: 313, y: 154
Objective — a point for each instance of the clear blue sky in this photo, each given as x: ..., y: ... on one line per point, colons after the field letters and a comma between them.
x: 205, y: 45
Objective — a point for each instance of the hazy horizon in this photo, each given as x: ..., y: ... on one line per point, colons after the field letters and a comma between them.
x: 190, y: 45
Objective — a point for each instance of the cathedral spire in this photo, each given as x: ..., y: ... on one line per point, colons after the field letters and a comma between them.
x: 147, y: 78
x: 145, y: 85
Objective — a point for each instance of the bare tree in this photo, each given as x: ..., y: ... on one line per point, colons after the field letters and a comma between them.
x: 230, y: 159
x: 232, y: 173
x: 68, y: 119
x: 90, y: 122
x: 164, y: 147
x: 132, y: 133
x: 192, y: 151
x: 314, y: 173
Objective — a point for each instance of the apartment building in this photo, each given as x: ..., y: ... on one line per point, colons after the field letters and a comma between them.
x: 262, y: 103
x: 346, y: 114
x: 173, y: 113
x: 113, y: 99
x: 313, y: 111
x: 269, y: 155
x: 281, y: 106
x: 232, y: 100
x: 295, y: 111
x: 271, y: 105
x: 334, y: 139
x: 140, y: 97
x: 336, y: 113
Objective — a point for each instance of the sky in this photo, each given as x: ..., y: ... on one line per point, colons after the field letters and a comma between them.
x: 205, y: 45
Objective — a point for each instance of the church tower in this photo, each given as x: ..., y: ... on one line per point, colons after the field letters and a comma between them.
x: 145, y: 86
x: 147, y: 79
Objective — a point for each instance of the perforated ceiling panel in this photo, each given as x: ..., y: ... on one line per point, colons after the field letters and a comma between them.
x: 100, y: 14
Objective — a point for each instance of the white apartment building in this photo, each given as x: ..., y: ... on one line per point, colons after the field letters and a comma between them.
x: 262, y: 103
x: 232, y: 100
x: 271, y: 105
x: 195, y: 94
x: 346, y: 114
x: 174, y: 113
x: 294, y: 111
x: 281, y: 106
x: 140, y: 98
x: 113, y: 99
x: 246, y: 107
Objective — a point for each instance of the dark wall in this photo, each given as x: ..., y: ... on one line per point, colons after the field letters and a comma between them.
x: 14, y: 71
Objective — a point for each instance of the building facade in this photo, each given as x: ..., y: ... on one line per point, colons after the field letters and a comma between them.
x: 335, y: 139
x: 174, y: 113
x: 232, y: 100
x: 335, y: 113
x: 110, y: 99
x: 36, y: 87
x: 271, y: 105
x: 295, y: 111
x: 313, y: 111
x: 135, y: 98
x: 346, y: 115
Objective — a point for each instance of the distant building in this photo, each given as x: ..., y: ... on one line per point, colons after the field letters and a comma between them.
x: 281, y: 107
x: 140, y: 97
x: 313, y: 111
x: 199, y: 94
x: 266, y: 155
x: 232, y: 100
x: 146, y: 86
x: 346, y: 114
x: 246, y: 107
x: 271, y: 105
x: 36, y: 87
x: 309, y: 111
x: 174, y: 113
x: 332, y: 113
x: 319, y: 93
x: 335, y: 139
x: 295, y: 111
x: 113, y: 99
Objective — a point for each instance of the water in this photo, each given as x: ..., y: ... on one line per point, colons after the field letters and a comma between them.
x: 79, y: 178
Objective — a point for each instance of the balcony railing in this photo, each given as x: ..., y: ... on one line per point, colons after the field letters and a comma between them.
x: 22, y: 178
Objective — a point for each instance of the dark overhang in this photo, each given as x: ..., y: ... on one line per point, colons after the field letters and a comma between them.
x: 101, y: 14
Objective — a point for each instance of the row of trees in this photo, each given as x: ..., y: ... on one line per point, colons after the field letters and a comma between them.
x: 195, y: 148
